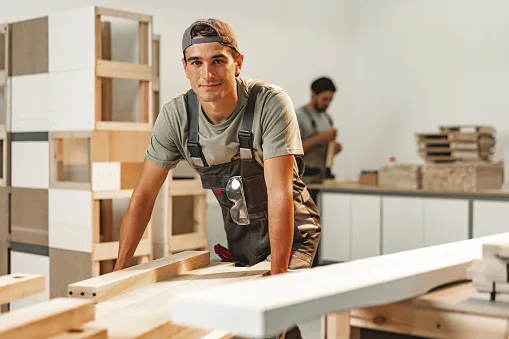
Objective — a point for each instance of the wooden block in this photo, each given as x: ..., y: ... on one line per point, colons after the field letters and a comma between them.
x: 30, y: 164
x: 123, y: 70
x: 32, y: 322
x: 67, y: 267
x: 20, y: 286
x: 86, y: 332
x: 72, y: 100
x: 72, y: 40
x: 30, y: 103
x: 29, y: 46
x: 28, y: 263
x: 336, y: 288
x: 70, y: 219
x: 29, y: 216
x: 109, y: 285
x: 400, y: 176
x: 114, y: 176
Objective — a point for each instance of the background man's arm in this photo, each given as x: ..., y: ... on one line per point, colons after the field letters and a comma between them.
x: 139, y: 211
x: 321, y: 138
x: 278, y: 173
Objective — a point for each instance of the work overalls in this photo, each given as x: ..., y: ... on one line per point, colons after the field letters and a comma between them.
x: 249, y: 244
x: 315, y: 160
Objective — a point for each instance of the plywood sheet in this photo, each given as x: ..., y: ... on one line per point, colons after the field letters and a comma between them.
x: 70, y: 219
x: 72, y: 40
x: 67, y: 267
x: 29, y: 219
x: 30, y: 164
x: 72, y: 100
x: 282, y: 301
x: 29, y: 46
x: 29, y: 103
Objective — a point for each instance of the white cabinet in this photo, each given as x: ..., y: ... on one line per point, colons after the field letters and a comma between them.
x: 402, y: 224
x: 490, y: 217
x: 364, y: 226
x: 445, y: 220
x: 335, y: 221
x: 350, y: 226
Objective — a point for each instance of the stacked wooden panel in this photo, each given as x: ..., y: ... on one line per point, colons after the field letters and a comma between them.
x: 457, y: 143
x: 490, y: 274
x: 77, y: 144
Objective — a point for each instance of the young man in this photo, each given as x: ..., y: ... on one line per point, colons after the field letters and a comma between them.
x: 243, y: 138
x: 317, y: 130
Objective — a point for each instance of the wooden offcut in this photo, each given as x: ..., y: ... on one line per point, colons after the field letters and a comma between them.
x: 29, y: 216
x: 462, y: 177
x: 86, y: 332
x: 29, y: 47
x: 400, y: 176
x: 20, y: 286
x: 109, y: 285
x: 46, y: 319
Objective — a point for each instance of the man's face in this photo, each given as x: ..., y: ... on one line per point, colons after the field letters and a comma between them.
x: 211, y: 69
x: 322, y: 101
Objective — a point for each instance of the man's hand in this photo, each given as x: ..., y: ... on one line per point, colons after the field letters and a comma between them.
x: 337, y: 148
x: 319, y: 139
x: 329, y: 135
x: 139, y: 211
x: 279, y: 180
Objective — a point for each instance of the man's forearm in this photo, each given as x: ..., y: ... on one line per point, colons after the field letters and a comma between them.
x: 280, y: 229
x: 133, y: 226
x: 310, y: 143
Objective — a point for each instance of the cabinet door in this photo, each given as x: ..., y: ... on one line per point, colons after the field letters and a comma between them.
x: 490, y: 217
x: 335, y: 216
x: 445, y: 221
x: 364, y: 226
x: 402, y: 224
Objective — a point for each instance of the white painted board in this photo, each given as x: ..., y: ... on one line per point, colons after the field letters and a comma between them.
x: 71, y: 40
x: 445, y: 220
x: 268, y: 305
x: 72, y: 100
x: 402, y: 224
x: 30, y: 263
x: 29, y: 103
x: 490, y: 217
x: 365, y: 226
x: 105, y: 176
x: 70, y: 219
x: 335, y: 222
x: 30, y: 164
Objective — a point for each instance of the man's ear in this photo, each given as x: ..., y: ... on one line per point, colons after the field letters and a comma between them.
x: 184, y: 64
x: 238, y: 64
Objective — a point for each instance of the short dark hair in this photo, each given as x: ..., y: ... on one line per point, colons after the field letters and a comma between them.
x: 323, y: 84
x: 206, y: 31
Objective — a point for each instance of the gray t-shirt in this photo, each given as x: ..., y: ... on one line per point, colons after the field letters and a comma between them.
x: 275, y: 130
x: 314, y: 158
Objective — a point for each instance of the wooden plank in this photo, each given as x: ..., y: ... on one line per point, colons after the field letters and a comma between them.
x: 20, y: 286
x: 123, y: 14
x: 185, y: 187
x: 32, y: 322
x: 123, y: 126
x: 109, y: 250
x: 29, y: 46
x: 86, y: 332
x: 189, y: 241
x: 429, y: 323
x: 32, y: 227
x: 118, y: 282
x: 336, y: 288
x: 67, y: 267
x: 123, y: 70
x: 122, y: 194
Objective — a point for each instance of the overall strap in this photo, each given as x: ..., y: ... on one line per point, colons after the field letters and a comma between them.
x: 245, y: 133
x: 193, y: 142
x: 310, y: 116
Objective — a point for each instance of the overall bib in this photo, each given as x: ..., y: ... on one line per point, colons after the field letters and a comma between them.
x: 249, y: 244
x: 315, y: 160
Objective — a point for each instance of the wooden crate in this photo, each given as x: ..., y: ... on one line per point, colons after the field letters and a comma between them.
x: 463, y: 177
x: 400, y: 176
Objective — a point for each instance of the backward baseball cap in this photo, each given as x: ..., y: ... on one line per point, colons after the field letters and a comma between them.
x: 225, y: 35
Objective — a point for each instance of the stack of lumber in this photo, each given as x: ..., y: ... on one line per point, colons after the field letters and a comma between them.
x: 490, y: 274
x: 400, y: 176
x: 131, y: 303
x: 457, y: 143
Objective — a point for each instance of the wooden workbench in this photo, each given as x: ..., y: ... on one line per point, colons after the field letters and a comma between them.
x: 447, y: 312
